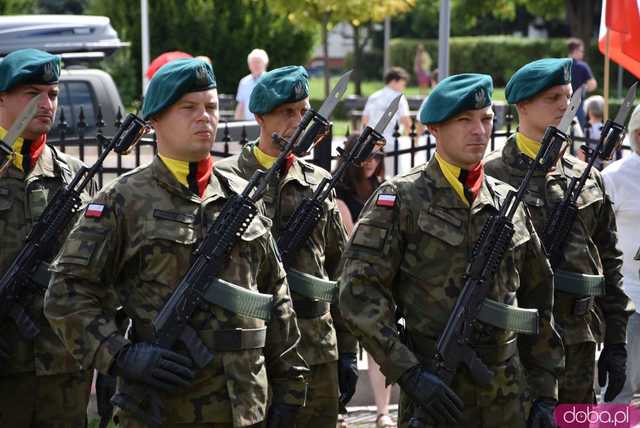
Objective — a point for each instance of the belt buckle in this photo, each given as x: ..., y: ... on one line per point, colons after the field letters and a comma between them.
x: 582, y: 306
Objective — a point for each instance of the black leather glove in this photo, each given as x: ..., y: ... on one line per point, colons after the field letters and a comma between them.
x: 436, y: 400
x: 282, y: 415
x: 105, y: 388
x: 154, y: 366
x: 541, y: 414
x: 347, y: 377
x: 4, y: 352
x: 612, y: 364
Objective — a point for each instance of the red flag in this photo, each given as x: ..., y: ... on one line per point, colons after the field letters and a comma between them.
x: 621, y: 20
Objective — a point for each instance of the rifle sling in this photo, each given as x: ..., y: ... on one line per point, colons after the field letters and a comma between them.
x: 239, y: 300
x: 311, y: 286
x: 580, y: 284
x: 507, y: 317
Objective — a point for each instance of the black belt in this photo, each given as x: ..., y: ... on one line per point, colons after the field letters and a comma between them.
x: 237, y: 339
x: 309, y: 309
x: 491, y: 355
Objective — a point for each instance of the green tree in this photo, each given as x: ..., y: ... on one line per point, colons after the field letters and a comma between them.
x: 326, y: 13
x: 224, y: 30
x: 16, y: 7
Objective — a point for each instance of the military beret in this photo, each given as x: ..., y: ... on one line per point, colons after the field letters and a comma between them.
x: 455, y: 94
x: 175, y: 79
x: 282, y: 85
x: 537, y: 76
x: 29, y: 66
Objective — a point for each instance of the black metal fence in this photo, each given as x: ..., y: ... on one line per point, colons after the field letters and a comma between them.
x: 402, y: 153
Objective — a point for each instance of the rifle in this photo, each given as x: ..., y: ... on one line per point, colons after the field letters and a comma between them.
x: 308, y: 213
x: 171, y: 325
x: 556, y: 231
x: 453, y: 346
x: 28, y: 271
x: 16, y: 129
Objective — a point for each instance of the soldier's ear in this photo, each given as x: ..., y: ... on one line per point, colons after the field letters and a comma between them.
x: 259, y: 119
x: 434, y: 130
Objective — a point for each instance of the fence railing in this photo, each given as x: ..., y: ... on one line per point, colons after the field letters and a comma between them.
x: 402, y: 153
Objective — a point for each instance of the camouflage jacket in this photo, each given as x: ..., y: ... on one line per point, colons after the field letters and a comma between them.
x: 135, y: 253
x: 591, y: 247
x: 22, y: 201
x: 322, y: 337
x: 412, y: 252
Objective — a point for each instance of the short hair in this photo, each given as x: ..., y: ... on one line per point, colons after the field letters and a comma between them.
x: 595, y: 105
x: 258, y: 53
x: 396, y: 73
x: 574, y: 44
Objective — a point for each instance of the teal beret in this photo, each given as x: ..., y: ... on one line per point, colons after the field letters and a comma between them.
x: 537, y: 76
x: 455, y: 94
x: 29, y: 66
x: 282, y: 85
x: 175, y: 79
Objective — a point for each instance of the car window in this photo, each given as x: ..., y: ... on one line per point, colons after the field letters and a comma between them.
x: 75, y: 97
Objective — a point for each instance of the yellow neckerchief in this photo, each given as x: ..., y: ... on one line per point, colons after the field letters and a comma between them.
x: 451, y: 173
x: 179, y: 169
x: 264, y: 160
x: 17, y: 149
x: 527, y: 146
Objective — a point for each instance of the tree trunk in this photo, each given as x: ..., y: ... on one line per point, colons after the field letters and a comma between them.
x: 325, y: 53
x: 357, y: 60
x: 580, y: 18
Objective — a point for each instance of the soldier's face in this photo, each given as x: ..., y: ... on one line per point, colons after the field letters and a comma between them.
x: 462, y: 140
x: 187, y: 129
x: 546, y: 108
x: 283, y: 119
x: 12, y: 103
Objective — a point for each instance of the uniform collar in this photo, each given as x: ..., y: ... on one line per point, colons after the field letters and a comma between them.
x: 445, y: 197
x: 166, y: 179
x: 518, y: 162
x: 45, y: 167
x: 248, y: 164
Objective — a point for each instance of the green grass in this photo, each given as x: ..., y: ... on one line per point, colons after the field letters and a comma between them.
x: 316, y: 86
x: 93, y: 423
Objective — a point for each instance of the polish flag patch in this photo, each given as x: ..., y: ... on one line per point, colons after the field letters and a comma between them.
x: 94, y: 211
x: 386, y: 200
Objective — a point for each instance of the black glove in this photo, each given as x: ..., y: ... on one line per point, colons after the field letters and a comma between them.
x: 152, y: 365
x: 541, y: 414
x: 347, y: 377
x: 612, y: 362
x: 435, y: 398
x: 282, y: 415
x: 4, y: 352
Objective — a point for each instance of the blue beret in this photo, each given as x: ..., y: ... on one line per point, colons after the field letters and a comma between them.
x: 455, y: 94
x: 537, y: 76
x: 282, y: 85
x: 175, y: 79
x: 29, y: 66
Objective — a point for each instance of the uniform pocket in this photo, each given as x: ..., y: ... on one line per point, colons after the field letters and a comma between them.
x: 441, y: 225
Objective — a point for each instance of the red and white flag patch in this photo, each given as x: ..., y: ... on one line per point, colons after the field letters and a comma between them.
x: 94, y: 211
x: 386, y: 200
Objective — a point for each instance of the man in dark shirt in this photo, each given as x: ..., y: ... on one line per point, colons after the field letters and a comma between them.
x: 580, y: 74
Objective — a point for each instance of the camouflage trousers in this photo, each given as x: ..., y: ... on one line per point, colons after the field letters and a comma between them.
x: 576, y: 382
x: 55, y: 401
x: 498, y: 405
x: 321, y: 409
x: 126, y: 421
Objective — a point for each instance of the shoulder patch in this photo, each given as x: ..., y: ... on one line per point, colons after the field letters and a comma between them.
x: 386, y: 200
x: 94, y: 210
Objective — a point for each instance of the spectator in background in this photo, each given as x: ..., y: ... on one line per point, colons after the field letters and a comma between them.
x: 395, y: 81
x: 622, y: 184
x: 594, y: 107
x: 257, y: 60
x: 422, y: 68
x: 353, y: 190
x: 580, y: 74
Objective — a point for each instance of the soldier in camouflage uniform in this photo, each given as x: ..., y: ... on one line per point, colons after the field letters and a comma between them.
x: 279, y: 101
x: 133, y: 245
x: 410, y: 248
x: 591, y: 269
x: 41, y: 385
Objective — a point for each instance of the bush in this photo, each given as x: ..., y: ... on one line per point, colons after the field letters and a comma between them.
x: 371, y: 66
x: 498, y: 56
